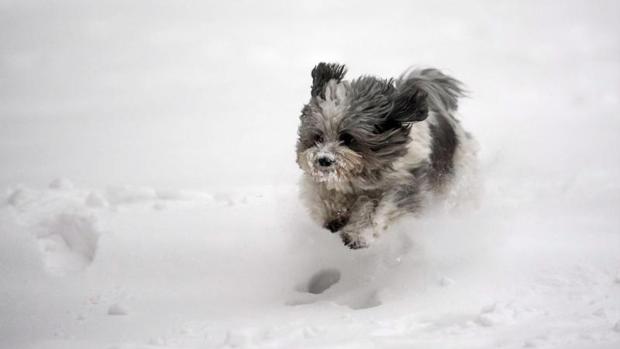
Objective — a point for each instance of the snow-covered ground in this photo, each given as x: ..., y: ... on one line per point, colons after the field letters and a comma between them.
x: 149, y: 193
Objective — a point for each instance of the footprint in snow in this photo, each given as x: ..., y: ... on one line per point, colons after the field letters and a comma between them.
x: 68, y: 242
x: 322, y: 280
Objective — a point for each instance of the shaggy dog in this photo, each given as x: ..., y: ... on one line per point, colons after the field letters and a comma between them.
x: 374, y: 149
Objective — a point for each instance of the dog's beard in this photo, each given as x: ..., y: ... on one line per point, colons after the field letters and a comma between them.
x: 347, y: 165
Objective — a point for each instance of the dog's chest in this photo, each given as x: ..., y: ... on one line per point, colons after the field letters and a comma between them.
x: 337, y: 204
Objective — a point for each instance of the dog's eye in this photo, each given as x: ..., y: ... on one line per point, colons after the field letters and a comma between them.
x: 346, y: 139
x: 317, y: 138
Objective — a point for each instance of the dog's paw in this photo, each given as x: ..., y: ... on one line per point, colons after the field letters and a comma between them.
x: 358, y: 238
x: 335, y: 224
x: 353, y: 241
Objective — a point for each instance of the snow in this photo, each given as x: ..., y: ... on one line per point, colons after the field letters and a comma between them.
x: 117, y: 309
x: 68, y: 243
x: 61, y: 183
x: 148, y: 194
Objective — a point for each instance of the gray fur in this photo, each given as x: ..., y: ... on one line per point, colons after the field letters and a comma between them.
x: 443, y: 91
x: 365, y: 126
x: 322, y: 74
x: 443, y: 147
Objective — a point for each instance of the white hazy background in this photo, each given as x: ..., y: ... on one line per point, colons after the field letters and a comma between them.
x: 200, y: 94
x: 175, y: 222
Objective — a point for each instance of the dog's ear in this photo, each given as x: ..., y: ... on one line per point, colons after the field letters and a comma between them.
x: 322, y: 74
x: 410, y: 105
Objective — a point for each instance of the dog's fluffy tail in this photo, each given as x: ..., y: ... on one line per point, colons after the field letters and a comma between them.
x: 443, y: 91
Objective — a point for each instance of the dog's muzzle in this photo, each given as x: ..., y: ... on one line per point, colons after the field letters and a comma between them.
x: 324, y: 161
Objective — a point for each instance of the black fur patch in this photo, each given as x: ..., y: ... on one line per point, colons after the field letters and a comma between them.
x: 350, y: 243
x: 346, y: 239
x: 336, y: 224
x: 322, y: 73
x: 443, y: 147
x: 409, y: 106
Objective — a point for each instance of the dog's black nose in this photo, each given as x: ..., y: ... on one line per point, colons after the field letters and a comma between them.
x: 325, y: 161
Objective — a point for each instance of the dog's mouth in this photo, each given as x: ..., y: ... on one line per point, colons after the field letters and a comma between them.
x: 326, y: 174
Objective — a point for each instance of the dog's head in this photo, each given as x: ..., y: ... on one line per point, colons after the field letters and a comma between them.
x: 355, y: 129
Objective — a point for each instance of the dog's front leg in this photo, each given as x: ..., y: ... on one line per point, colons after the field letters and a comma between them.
x: 360, y: 229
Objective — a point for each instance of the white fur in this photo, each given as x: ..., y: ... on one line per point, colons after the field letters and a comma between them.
x: 418, y: 149
x: 335, y: 103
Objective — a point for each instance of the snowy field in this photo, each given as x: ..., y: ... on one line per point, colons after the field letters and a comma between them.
x: 148, y: 192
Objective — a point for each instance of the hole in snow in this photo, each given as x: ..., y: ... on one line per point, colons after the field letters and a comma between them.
x: 68, y: 243
x: 323, y: 280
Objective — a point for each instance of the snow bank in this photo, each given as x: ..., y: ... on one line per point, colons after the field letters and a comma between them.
x: 68, y: 242
x: 258, y: 273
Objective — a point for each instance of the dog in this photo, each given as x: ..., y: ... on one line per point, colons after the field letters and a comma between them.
x: 372, y: 149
